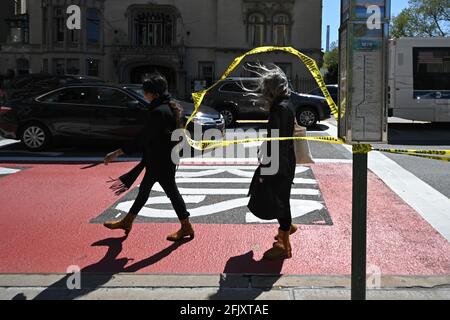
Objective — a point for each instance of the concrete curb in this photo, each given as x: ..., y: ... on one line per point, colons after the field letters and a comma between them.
x: 214, y: 287
x: 236, y: 281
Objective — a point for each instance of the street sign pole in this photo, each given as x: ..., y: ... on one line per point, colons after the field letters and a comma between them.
x: 362, y: 118
x: 359, y: 226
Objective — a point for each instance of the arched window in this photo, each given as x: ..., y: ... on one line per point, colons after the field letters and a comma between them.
x: 281, y: 28
x: 256, y: 29
x: 153, y: 29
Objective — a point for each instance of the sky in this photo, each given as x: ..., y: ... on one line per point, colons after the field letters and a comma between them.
x: 331, y: 9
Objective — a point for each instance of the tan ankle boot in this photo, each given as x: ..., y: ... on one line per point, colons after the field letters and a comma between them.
x: 294, y: 229
x: 281, y: 249
x: 185, y: 231
x: 125, y: 224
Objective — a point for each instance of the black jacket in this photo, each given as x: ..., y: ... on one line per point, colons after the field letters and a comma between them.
x: 281, y: 117
x: 154, y: 143
x: 154, y: 140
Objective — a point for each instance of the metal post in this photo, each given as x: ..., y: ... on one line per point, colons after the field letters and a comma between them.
x: 359, y: 226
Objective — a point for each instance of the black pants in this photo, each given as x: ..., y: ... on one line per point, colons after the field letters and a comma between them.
x: 167, y: 181
x: 284, y: 186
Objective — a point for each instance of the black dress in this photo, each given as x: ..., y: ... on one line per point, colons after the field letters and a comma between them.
x: 282, y: 118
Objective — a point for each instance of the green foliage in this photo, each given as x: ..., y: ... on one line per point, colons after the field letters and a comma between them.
x: 423, y: 18
x: 331, y: 63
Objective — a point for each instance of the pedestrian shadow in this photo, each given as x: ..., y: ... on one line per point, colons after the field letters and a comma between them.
x: 236, y: 280
x: 96, y: 275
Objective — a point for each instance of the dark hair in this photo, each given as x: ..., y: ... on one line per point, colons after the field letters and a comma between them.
x: 156, y: 83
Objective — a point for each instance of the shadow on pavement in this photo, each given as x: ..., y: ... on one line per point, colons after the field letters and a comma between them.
x: 94, y: 276
x: 231, y: 289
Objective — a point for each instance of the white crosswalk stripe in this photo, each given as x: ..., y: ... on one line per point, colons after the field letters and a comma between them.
x: 206, y: 201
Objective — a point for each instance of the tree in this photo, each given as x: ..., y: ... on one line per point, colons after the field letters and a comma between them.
x: 423, y: 18
x: 331, y: 63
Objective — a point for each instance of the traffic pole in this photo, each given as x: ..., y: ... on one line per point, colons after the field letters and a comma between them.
x: 359, y: 226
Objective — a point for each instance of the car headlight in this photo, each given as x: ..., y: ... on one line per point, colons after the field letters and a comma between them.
x: 202, y: 120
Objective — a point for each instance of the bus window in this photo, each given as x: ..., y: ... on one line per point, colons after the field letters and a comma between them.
x: 431, y: 73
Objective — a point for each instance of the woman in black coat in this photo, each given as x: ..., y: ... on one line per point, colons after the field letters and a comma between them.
x: 274, y: 88
x: 155, y: 142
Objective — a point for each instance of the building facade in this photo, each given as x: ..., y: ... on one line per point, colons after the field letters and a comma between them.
x: 7, y: 10
x: 190, y: 42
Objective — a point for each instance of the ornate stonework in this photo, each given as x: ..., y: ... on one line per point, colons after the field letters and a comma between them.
x: 268, y: 8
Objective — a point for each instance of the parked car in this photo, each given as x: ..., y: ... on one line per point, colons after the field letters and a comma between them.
x: 32, y: 84
x: 206, y: 117
x: 333, y: 89
x: 234, y: 103
x: 83, y: 112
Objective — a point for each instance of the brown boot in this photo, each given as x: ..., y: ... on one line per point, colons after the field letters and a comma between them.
x: 185, y: 231
x: 281, y: 249
x: 294, y: 229
x: 125, y: 224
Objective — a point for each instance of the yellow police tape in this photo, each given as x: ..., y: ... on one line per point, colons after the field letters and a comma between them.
x: 315, y: 72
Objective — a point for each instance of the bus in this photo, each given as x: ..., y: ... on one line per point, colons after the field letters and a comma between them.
x: 419, y: 79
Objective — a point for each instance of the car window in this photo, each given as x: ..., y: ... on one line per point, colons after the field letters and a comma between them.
x: 237, y: 86
x: 250, y: 85
x: 110, y: 97
x: 231, y: 87
x: 332, y: 90
x: 69, y: 95
x: 137, y: 90
x: 317, y: 92
x: 46, y: 83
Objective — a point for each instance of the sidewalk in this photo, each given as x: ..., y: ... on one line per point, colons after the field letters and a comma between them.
x: 216, y: 287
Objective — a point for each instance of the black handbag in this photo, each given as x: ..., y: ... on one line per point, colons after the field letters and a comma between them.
x: 262, y: 197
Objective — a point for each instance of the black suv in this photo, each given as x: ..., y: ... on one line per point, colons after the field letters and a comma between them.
x: 332, y: 89
x: 234, y: 103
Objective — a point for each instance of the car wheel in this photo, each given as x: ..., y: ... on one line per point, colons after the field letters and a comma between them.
x: 35, y: 136
x: 229, y: 115
x: 307, y: 117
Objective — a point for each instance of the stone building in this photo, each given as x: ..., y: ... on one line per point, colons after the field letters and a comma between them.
x: 190, y: 41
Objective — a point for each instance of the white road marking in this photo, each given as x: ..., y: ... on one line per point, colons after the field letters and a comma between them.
x: 63, y: 159
x: 432, y: 205
x: 197, y: 174
x: 4, y: 171
x: 233, y: 191
x: 235, y: 180
x: 298, y: 207
x: 166, y: 200
x: 193, y: 167
x: 6, y: 142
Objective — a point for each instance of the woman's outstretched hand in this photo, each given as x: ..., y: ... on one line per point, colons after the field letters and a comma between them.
x: 110, y: 157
